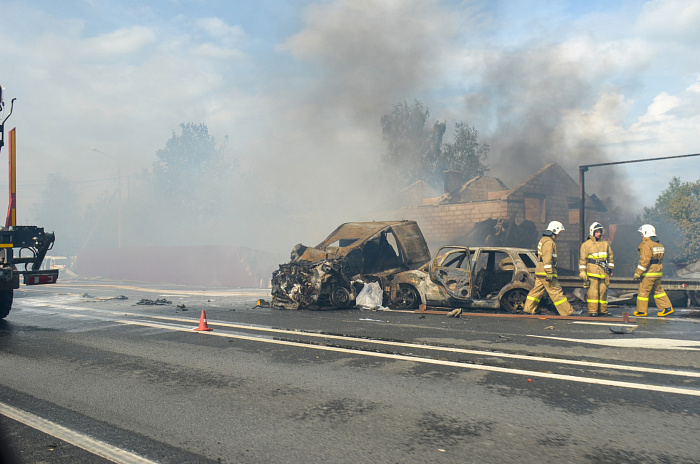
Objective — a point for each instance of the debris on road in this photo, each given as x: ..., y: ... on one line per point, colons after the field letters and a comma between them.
x: 159, y: 301
x: 622, y: 329
x: 455, y: 313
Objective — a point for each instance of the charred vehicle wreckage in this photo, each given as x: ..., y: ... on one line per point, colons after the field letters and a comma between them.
x: 396, y: 256
x: 333, y: 273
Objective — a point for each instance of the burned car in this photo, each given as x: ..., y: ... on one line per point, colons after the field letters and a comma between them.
x: 332, y: 273
x: 457, y: 276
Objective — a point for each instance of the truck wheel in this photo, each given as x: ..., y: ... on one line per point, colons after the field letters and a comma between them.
x: 6, y: 297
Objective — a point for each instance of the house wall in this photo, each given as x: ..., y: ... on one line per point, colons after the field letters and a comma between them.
x: 550, y: 189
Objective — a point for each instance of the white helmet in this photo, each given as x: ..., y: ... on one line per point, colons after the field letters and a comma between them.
x: 555, y: 227
x: 647, y: 230
x: 595, y: 226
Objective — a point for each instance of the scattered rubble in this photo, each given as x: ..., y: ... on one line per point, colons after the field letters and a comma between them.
x: 159, y: 301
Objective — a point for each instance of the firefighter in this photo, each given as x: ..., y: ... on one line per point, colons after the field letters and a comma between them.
x: 595, y: 266
x: 649, y: 272
x: 546, y: 274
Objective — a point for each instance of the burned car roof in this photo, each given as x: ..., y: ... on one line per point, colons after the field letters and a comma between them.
x: 351, y: 235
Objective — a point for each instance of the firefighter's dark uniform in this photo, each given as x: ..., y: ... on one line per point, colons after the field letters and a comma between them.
x: 595, y: 257
x: 546, y: 279
x: 650, y: 270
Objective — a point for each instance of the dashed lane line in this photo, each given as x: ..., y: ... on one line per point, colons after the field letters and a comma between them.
x: 89, y: 444
x: 392, y: 343
x: 464, y: 365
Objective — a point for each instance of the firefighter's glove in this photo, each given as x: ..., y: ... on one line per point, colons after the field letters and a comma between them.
x: 549, y: 277
x: 637, y: 276
x: 607, y: 280
x: 583, y: 275
x: 586, y: 283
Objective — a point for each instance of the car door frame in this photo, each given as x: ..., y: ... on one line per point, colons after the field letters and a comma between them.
x: 456, y: 281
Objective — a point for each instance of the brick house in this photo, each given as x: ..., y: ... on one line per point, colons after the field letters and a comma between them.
x: 548, y: 195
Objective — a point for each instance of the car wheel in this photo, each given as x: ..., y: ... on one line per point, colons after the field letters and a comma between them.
x: 340, y: 297
x: 407, y: 297
x: 514, y: 300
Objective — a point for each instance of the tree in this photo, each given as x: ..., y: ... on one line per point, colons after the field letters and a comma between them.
x: 186, y: 191
x: 465, y: 154
x: 679, y: 206
x: 411, y: 145
x: 58, y: 210
x: 415, y: 151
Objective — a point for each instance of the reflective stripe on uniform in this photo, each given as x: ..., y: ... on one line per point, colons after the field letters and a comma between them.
x: 642, y: 298
x: 652, y: 274
x: 660, y: 295
x: 536, y: 300
x: 557, y: 303
x: 600, y: 276
x: 642, y: 268
x: 599, y: 255
x: 597, y: 301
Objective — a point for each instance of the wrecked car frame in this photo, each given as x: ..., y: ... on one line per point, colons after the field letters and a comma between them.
x: 332, y: 273
x: 461, y: 277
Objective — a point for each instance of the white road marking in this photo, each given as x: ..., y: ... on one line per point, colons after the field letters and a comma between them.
x: 570, y: 378
x: 447, y: 349
x: 655, y: 343
x: 384, y: 342
x: 89, y: 444
x: 621, y: 324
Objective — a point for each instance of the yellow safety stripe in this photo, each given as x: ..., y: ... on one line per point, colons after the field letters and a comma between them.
x: 544, y: 274
x: 6, y: 245
x: 597, y: 301
x: 660, y: 295
x: 599, y: 255
x: 557, y: 303
x: 600, y: 276
x: 533, y: 299
x: 642, y: 298
x: 652, y: 274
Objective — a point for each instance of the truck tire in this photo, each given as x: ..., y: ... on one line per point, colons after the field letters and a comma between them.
x: 6, y: 297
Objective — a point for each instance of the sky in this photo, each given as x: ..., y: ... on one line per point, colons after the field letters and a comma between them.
x: 297, y: 89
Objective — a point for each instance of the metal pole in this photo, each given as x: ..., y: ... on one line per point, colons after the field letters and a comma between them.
x: 582, y: 201
x: 584, y: 168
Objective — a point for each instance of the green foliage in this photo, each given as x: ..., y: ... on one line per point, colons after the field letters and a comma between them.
x: 410, y: 143
x: 679, y: 205
x: 415, y: 150
x: 58, y: 210
x: 465, y: 154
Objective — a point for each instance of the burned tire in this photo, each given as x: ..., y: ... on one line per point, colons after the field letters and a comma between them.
x: 6, y: 297
x: 407, y: 297
x: 514, y: 300
x: 340, y: 297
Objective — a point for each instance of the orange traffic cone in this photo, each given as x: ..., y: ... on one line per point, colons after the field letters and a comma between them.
x: 203, y: 323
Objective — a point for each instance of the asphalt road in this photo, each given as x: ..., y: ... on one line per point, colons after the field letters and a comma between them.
x: 89, y: 376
